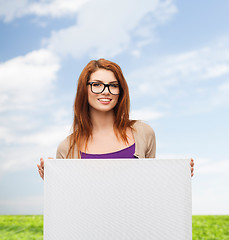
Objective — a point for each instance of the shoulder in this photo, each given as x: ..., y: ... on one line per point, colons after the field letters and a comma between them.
x: 143, y: 128
x: 63, y: 147
x: 145, y: 139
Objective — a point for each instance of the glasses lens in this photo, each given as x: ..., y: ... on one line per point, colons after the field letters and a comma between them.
x: 97, y: 87
x: 114, y: 88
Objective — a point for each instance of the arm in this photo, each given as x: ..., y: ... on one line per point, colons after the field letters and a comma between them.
x: 151, y: 149
x: 62, y: 149
x: 150, y: 141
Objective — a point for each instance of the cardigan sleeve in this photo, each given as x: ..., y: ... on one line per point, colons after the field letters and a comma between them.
x: 151, y: 142
x: 62, y: 149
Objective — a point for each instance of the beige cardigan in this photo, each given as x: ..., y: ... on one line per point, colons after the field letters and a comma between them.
x: 144, y: 137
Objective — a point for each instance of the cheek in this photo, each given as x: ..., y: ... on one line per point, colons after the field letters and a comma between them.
x: 116, y: 100
x: 90, y: 97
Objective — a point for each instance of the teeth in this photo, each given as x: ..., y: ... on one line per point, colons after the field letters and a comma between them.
x: 104, y: 100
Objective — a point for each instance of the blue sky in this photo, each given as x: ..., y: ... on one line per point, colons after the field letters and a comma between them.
x: 174, y: 55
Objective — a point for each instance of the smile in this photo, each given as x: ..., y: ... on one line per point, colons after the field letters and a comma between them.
x: 104, y: 100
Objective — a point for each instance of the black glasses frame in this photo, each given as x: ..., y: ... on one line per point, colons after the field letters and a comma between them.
x: 104, y: 86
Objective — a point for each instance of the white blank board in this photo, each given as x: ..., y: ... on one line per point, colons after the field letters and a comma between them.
x: 117, y: 199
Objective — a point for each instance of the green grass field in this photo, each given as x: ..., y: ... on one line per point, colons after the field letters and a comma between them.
x: 30, y: 227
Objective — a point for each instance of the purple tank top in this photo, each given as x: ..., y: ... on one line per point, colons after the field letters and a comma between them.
x: 124, y: 153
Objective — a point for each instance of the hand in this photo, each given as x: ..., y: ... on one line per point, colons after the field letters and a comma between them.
x: 192, y: 168
x: 41, y: 167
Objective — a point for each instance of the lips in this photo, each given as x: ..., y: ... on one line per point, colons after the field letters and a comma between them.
x: 104, y: 100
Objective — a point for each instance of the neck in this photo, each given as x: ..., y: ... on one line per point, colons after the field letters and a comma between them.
x: 102, y: 120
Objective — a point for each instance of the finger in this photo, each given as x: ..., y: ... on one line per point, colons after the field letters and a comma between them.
x: 192, y: 162
x: 39, y: 167
x: 41, y: 170
x: 42, y: 175
x: 42, y: 163
x: 50, y: 158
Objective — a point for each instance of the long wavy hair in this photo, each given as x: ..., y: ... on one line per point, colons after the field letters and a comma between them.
x: 82, y: 125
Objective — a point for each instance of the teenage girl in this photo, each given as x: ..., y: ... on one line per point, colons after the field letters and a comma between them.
x: 101, y: 126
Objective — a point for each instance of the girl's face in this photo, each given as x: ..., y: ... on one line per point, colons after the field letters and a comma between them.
x: 104, y: 101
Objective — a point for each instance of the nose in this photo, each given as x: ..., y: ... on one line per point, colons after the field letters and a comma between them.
x: 106, y: 91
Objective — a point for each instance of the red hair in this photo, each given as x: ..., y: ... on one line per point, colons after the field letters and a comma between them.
x: 82, y: 125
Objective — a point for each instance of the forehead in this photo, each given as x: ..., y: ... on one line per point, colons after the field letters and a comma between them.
x: 103, y: 75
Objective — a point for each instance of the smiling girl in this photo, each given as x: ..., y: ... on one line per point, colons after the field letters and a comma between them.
x: 101, y: 126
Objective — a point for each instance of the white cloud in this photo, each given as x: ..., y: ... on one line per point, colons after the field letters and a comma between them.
x: 55, y: 8
x: 26, y: 86
x: 22, y: 205
x: 26, y: 79
x: 22, y: 151
x: 102, y: 33
x: 221, y: 97
x: 98, y: 30
x: 203, y: 64
x: 50, y: 136
x: 12, y: 9
x: 165, y: 10
x: 43, y: 137
x: 183, y: 77
x: 145, y: 114
x: 136, y: 53
x: 208, y: 167
x: 210, y: 201
x: 216, y: 70
x: 209, y: 186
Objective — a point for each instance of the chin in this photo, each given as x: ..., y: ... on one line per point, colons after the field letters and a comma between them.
x: 103, y: 108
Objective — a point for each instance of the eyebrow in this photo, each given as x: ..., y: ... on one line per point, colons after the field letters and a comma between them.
x: 102, y: 81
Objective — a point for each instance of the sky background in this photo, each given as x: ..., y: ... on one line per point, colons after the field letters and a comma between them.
x: 174, y: 56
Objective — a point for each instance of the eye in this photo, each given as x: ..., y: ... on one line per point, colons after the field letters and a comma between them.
x: 114, y: 85
x: 96, y: 84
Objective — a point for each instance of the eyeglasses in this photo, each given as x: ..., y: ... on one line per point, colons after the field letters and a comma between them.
x: 99, y: 87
